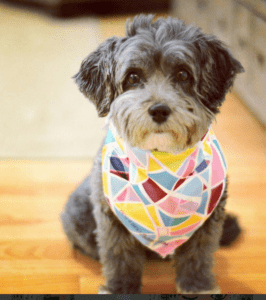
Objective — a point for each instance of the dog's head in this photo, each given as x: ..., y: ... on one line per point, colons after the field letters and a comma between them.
x: 161, y: 85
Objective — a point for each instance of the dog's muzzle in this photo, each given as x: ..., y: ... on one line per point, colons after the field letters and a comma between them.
x: 159, y: 112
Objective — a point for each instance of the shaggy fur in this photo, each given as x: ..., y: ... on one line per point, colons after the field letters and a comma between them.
x: 161, y: 86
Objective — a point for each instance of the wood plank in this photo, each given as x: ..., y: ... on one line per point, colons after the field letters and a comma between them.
x: 34, y: 284
x: 44, y: 267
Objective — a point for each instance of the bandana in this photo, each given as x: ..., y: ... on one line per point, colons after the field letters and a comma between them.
x: 162, y: 198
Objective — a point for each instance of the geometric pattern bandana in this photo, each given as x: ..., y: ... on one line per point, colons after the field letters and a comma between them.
x: 162, y: 198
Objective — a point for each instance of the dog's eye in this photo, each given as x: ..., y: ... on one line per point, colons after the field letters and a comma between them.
x: 133, y: 79
x: 182, y: 76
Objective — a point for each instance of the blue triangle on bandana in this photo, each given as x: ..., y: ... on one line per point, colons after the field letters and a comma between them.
x: 204, y: 199
x: 168, y: 221
x: 109, y: 138
x: 141, y: 155
x: 117, y: 152
x: 200, y: 157
x: 202, y: 166
x: 205, y: 175
x: 165, y: 179
x: 145, y: 239
x: 133, y: 172
x: 117, y: 184
x: 142, y: 197
x: 106, y: 163
x: 192, y: 188
x: 131, y: 225
x: 117, y: 164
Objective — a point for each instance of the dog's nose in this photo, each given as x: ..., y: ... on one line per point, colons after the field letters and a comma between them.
x: 159, y: 112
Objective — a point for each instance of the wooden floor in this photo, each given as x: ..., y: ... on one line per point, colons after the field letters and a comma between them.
x: 35, y: 256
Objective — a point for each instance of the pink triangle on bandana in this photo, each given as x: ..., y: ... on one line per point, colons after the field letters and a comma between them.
x: 181, y: 170
x: 186, y: 229
x: 170, y: 205
x: 189, y: 206
x: 190, y: 168
x: 218, y: 173
x: 133, y: 159
x: 168, y: 248
x: 122, y: 196
x: 125, y: 161
x: 132, y: 196
x: 128, y: 195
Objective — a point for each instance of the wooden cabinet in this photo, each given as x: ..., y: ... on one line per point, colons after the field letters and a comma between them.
x: 241, y: 24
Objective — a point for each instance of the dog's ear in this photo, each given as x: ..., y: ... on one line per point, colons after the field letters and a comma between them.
x: 96, y: 76
x: 217, y: 71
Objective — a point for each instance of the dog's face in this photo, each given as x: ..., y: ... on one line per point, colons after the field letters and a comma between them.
x: 161, y: 85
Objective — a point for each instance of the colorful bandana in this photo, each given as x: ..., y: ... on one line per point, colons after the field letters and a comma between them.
x: 162, y: 198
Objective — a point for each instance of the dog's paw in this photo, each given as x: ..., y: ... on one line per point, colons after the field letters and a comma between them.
x: 215, y: 290
x: 103, y: 290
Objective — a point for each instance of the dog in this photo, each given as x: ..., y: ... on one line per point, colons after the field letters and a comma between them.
x: 158, y: 185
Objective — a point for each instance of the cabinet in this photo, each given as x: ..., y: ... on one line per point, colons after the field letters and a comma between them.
x: 241, y: 24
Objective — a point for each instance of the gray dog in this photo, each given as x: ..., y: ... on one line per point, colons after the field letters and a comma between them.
x: 158, y: 185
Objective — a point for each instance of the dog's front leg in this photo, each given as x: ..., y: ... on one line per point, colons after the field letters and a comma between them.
x: 194, y: 259
x: 121, y: 256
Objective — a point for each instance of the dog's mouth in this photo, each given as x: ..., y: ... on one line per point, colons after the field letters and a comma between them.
x: 158, y: 140
x: 158, y: 131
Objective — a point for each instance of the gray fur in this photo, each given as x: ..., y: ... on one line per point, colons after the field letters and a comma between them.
x: 156, y: 51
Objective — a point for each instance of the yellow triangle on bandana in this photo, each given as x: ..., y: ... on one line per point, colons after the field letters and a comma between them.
x: 171, y: 161
x: 136, y: 212
x: 105, y: 183
x: 104, y: 151
x: 142, y: 175
x: 207, y: 148
x: 192, y: 220
x: 152, y: 212
x: 120, y: 142
x: 153, y: 166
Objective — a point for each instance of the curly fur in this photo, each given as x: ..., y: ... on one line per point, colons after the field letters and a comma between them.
x: 156, y: 51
